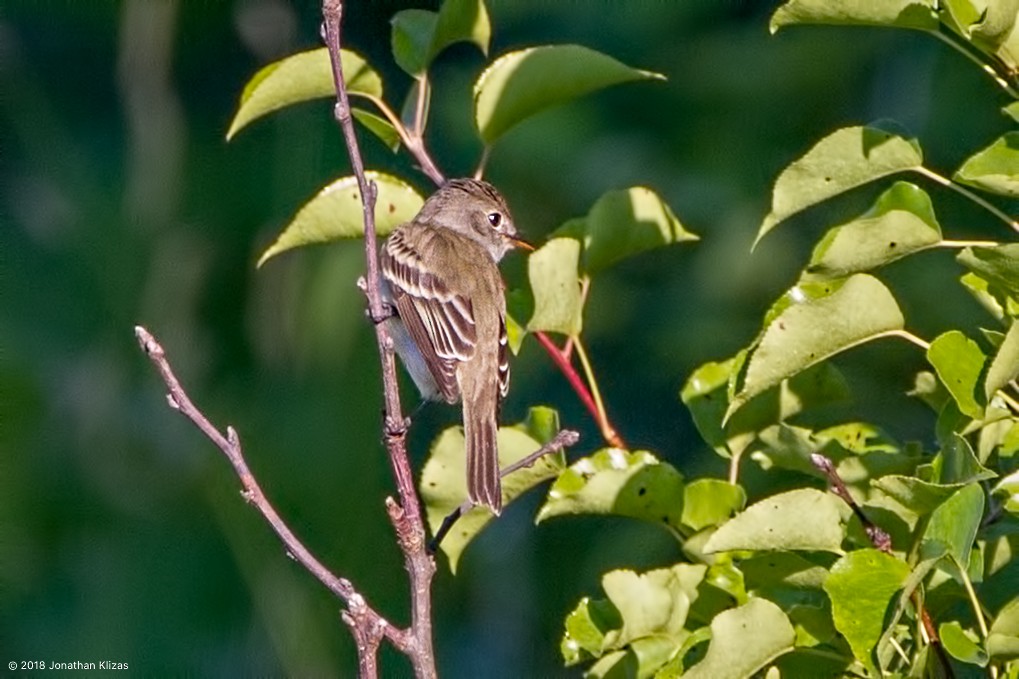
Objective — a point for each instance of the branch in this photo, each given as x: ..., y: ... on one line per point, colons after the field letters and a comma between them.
x: 253, y: 495
x: 883, y: 542
x: 406, y: 515
x: 562, y: 361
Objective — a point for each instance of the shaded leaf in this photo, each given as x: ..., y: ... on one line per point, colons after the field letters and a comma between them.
x: 919, y: 496
x: 709, y: 502
x: 520, y: 84
x: 995, y: 301
x: 1009, y: 488
x: 900, y: 222
x: 803, y: 519
x: 817, y: 321
x: 462, y: 21
x: 744, y: 640
x: 918, y: 14
x: 378, y: 126
x: 552, y: 271
x: 958, y: 362
x: 953, y: 525
x: 1012, y: 111
x: 411, y: 39
x: 301, y: 77
x: 619, y: 482
x: 957, y: 463
x: 995, y: 168
x: 444, y: 479
x: 418, y: 36
x: 1005, y: 366
x: 336, y: 212
x: 861, y: 585
x: 843, y: 160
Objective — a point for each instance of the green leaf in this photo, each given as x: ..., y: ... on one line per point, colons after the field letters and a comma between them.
x: 709, y: 502
x: 301, y: 77
x: 411, y: 39
x: 953, y: 525
x: 843, y: 160
x: 962, y: 644
x: 919, y: 496
x: 771, y: 570
x: 861, y: 585
x: 957, y: 463
x: 744, y: 640
x: 817, y: 321
x: 959, y: 361
x: 624, y: 223
x: 621, y: 483
x: 803, y: 519
x: 552, y: 271
x: 995, y: 301
x: 419, y: 36
x: 900, y: 222
x: 336, y: 212
x: 656, y: 602
x: 520, y: 84
x: 1003, y: 639
x: 995, y: 168
x: 444, y: 479
x: 918, y: 14
x: 1009, y: 487
x: 1012, y: 111
x: 998, y: 265
x: 586, y: 628
x: 1005, y: 366
x: 378, y: 126
x: 462, y: 21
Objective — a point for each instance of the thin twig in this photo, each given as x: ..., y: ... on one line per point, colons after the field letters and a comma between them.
x: 406, y: 515
x: 564, y: 439
x: 253, y: 495
x: 610, y: 435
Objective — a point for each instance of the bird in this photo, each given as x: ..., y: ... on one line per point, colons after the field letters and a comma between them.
x: 441, y: 278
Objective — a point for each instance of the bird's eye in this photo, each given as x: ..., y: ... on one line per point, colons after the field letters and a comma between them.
x: 495, y: 219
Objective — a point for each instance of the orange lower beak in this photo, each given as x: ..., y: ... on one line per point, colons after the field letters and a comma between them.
x: 521, y: 243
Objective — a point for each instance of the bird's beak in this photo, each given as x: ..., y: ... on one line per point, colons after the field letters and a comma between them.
x: 521, y: 243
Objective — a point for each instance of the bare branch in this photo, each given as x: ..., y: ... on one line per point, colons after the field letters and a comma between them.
x: 253, y: 495
x: 406, y: 515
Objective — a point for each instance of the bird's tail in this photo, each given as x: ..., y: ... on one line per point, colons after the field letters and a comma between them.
x: 480, y: 429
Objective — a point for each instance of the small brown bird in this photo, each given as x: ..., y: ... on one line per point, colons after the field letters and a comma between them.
x: 441, y: 275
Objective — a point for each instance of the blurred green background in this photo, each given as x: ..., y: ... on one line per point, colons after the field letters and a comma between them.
x: 122, y: 534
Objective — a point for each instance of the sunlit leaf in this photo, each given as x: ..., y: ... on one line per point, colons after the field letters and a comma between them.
x: 995, y: 168
x: 843, y: 160
x: 962, y: 644
x: 621, y: 483
x: 709, y: 502
x: 917, y: 14
x: 1009, y: 488
x: 1003, y: 640
x: 817, y: 322
x: 520, y: 84
x: 301, y: 77
x: 1012, y: 111
x: 992, y: 297
x: 802, y: 519
x: 954, y: 524
x: 861, y: 585
x: 444, y: 479
x: 656, y: 602
x: 336, y: 213
x: 586, y: 628
x: 998, y: 265
x: 1005, y: 365
x: 959, y: 361
x: 744, y: 640
x: 624, y: 223
x: 552, y: 271
x: 900, y: 222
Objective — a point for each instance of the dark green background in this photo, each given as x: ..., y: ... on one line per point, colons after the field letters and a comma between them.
x: 122, y: 534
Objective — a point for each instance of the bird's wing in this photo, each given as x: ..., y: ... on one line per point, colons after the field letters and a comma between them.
x: 504, y: 368
x: 439, y: 321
